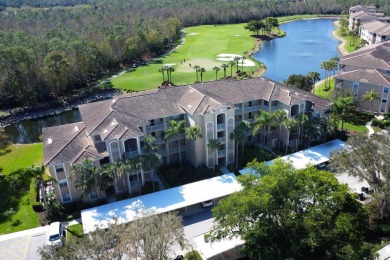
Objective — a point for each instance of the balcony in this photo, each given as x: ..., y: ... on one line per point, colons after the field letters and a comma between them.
x: 221, y: 126
x: 162, y: 152
x: 238, y: 111
x: 221, y: 153
x: 176, y: 150
x: 159, y: 140
x: 222, y: 139
x: 153, y: 128
x: 252, y: 108
x: 174, y: 138
x: 131, y: 154
x: 250, y: 120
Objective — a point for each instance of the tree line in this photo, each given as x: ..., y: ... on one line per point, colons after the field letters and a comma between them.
x: 48, y: 52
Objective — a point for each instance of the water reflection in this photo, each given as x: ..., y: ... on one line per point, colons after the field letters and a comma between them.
x: 29, y: 131
x: 307, y: 44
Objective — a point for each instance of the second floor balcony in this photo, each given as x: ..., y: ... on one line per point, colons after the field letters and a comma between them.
x: 153, y: 128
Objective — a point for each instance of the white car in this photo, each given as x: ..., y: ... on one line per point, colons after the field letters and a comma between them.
x: 54, y: 235
x: 207, y: 203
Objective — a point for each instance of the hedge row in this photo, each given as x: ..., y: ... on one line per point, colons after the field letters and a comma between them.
x: 34, y: 198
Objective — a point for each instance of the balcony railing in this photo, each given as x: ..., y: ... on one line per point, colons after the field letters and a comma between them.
x: 221, y: 153
x: 176, y: 150
x: 252, y: 108
x: 250, y: 120
x: 131, y: 154
x: 238, y: 111
x: 153, y: 128
x: 163, y: 152
x: 222, y: 139
x: 221, y: 126
x: 174, y: 138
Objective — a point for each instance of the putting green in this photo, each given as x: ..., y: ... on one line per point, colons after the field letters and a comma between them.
x: 203, y: 46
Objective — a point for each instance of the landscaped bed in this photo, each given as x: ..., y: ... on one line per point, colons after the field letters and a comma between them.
x: 173, y: 176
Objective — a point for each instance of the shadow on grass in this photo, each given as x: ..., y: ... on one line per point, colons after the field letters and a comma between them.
x: 359, y: 118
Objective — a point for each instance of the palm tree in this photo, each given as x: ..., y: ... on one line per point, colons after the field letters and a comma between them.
x: 261, y: 121
x: 237, y: 59
x: 325, y: 65
x: 162, y: 70
x: 371, y: 96
x: 279, y: 117
x: 311, y: 129
x: 224, y: 67
x: 197, y: 69
x: 342, y: 107
x: 313, y: 76
x: 289, y: 124
x: 150, y: 156
x: 239, y: 136
x: 231, y: 63
x: 169, y: 73
x: 242, y: 63
x: 192, y: 133
x: 301, y: 121
x: 216, y: 71
x: 38, y: 173
x: 177, y: 128
x: 202, y: 70
x: 214, y: 146
x: 133, y: 164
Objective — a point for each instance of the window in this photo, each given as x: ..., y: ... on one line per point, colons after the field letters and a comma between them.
x: 152, y: 122
x: 60, y: 172
x: 97, y: 138
x: 386, y: 90
x: 275, y: 142
x: 64, y: 190
x: 66, y: 197
x: 250, y: 115
x: 274, y: 103
x: 249, y: 103
x: 133, y: 177
x: 266, y: 103
x: 93, y: 195
x: 318, y: 114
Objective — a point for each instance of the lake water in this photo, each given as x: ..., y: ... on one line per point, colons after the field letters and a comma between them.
x: 306, y: 45
x: 29, y: 131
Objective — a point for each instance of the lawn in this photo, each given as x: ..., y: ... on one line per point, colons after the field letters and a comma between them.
x: 21, y: 156
x: 18, y: 157
x: 357, y: 122
x: 348, y: 47
x: 201, y: 47
x: 74, y: 231
x: 319, y: 91
x: 24, y: 218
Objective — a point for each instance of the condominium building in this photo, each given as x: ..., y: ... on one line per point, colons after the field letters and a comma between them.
x: 115, y: 128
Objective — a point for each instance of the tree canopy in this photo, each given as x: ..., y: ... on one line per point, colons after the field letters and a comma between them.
x: 368, y: 159
x: 293, y: 214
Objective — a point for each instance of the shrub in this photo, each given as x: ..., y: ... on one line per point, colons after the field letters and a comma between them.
x: 193, y: 255
x: 34, y: 198
x: 148, y: 187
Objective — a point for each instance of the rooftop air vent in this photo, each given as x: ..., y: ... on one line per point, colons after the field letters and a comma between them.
x: 76, y: 128
x: 49, y: 141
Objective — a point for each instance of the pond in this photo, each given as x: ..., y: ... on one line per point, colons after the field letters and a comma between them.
x: 29, y: 131
x: 306, y: 45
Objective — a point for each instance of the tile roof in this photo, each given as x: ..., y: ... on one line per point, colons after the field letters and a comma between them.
x: 120, y: 118
x: 375, y: 56
x: 66, y: 143
x: 377, y: 27
x: 371, y: 76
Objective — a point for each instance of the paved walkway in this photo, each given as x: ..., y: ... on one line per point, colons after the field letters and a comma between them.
x: 370, y: 130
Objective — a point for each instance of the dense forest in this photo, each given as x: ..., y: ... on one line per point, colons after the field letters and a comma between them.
x: 52, y: 47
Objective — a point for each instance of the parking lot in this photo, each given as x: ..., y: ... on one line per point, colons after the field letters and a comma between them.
x: 23, y: 246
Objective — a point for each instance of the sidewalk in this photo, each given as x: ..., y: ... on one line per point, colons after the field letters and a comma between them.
x: 23, y: 233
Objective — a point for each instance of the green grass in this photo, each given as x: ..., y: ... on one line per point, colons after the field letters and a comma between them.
x: 202, y: 45
x: 348, y: 47
x: 319, y: 91
x: 25, y: 215
x: 74, y: 231
x: 357, y: 122
x: 21, y: 156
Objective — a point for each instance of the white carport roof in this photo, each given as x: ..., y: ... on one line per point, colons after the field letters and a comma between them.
x: 159, y: 202
x: 209, y: 250
x: 384, y: 253
x: 313, y: 156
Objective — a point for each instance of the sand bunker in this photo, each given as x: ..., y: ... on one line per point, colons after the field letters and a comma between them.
x: 192, y: 34
x: 229, y: 57
x: 170, y: 64
x: 237, y: 35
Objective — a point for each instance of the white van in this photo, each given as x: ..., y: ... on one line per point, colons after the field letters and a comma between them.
x: 54, y: 235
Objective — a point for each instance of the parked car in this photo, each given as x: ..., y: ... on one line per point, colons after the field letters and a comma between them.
x: 321, y: 166
x: 207, y: 203
x: 54, y: 236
